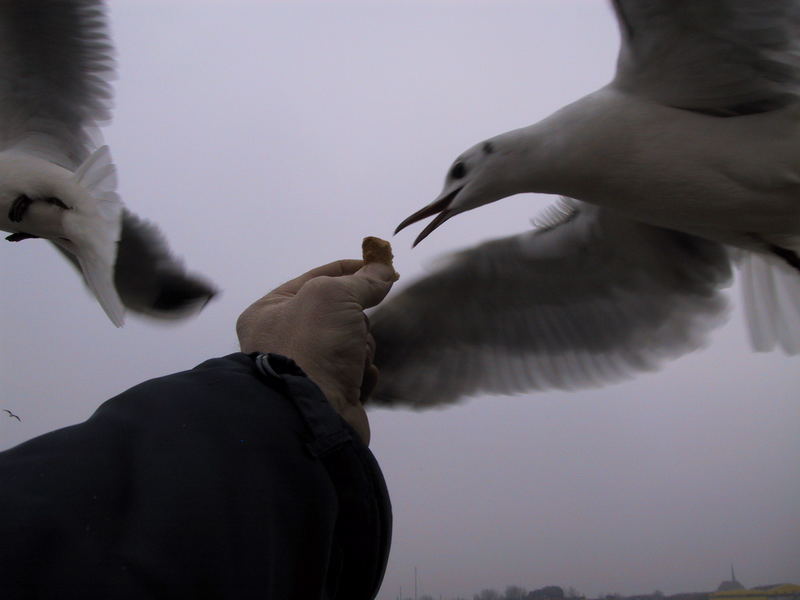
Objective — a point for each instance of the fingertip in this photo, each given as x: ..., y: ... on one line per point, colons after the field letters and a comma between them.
x: 371, y: 284
x: 379, y: 271
x: 345, y: 266
x: 351, y: 265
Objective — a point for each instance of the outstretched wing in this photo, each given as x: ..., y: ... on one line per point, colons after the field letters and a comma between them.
x: 55, y: 66
x: 725, y: 57
x: 585, y: 299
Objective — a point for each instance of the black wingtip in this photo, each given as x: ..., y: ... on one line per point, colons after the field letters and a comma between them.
x: 178, y: 294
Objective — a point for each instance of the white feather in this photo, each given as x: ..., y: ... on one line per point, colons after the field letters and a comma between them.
x: 771, y: 289
x: 93, y: 227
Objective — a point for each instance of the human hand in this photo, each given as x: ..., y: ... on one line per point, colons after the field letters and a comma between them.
x: 318, y: 320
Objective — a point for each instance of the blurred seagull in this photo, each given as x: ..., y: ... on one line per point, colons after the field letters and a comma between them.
x: 12, y: 415
x: 687, y: 160
x: 55, y: 183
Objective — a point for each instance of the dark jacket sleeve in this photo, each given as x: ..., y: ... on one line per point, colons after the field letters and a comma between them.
x: 216, y: 482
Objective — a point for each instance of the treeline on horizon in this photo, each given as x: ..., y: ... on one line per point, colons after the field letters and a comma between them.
x: 554, y: 592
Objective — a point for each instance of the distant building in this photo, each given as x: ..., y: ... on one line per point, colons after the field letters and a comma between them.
x: 731, y: 585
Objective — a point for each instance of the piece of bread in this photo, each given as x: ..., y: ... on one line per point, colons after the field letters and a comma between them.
x: 376, y: 250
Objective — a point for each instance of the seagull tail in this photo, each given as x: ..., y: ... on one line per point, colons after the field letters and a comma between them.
x: 92, y: 228
x: 771, y: 291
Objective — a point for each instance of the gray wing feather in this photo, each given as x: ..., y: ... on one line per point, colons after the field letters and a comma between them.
x: 584, y: 303
x: 55, y: 67
x: 723, y: 57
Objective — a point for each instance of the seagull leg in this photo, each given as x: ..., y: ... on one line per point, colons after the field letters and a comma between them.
x: 18, y: 208
x: 19, y: 236
x: 57, y: 202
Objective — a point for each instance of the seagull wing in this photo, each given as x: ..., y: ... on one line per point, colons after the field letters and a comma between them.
x: 56, y: 64
x: 586, y: 298
x: 726, y: 57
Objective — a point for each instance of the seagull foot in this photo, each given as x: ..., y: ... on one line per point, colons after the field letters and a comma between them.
x: 18, y: 208
x: 57, y: 202
x: 19, y: 236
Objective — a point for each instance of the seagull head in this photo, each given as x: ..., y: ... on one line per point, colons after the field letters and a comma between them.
x: 474, y: 179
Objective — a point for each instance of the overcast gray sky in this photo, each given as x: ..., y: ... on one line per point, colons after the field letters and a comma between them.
x: 266, y: 138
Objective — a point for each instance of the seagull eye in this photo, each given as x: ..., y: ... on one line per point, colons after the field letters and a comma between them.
x: 458, y: 170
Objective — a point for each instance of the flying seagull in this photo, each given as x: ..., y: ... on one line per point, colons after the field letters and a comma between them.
x: 56, y: 182
x: 12, y: 415
x: 686, y: 163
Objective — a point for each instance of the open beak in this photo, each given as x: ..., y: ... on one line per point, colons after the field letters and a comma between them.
x: 440, y: 206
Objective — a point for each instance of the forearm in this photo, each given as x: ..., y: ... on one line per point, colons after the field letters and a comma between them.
x: 202, y: 475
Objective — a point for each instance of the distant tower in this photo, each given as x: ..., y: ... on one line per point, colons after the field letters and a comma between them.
x: 733, y: 584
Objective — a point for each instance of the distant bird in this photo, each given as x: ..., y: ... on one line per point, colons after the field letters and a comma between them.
x: 55, y: 183
x: 688, y: 160
x: 12, y: 415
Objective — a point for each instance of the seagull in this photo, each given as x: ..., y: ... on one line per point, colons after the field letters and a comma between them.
x: 12, y: 415
x: 57, y: 182
x: 685, y: 165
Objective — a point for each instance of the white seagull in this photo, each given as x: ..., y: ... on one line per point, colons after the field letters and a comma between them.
x: 55, y: 182
x: 687, y: 162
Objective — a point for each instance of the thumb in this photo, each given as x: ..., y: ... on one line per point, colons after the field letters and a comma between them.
x: 370, y: 284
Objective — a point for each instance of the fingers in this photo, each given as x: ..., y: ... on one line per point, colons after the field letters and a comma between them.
x: 336, y: 268
x: 370, y: 284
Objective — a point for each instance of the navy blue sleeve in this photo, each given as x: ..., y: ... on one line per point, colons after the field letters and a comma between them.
x: 202, y: 484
